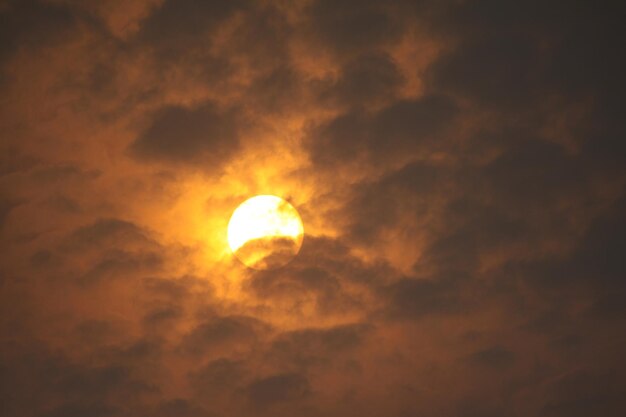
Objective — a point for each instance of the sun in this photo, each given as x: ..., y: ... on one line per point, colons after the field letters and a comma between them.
x: 265, y: 232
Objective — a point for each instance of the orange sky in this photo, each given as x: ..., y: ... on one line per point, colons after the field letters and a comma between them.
x: 458, y: 167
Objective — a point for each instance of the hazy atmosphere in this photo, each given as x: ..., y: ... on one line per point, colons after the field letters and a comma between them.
x: 459, y: 168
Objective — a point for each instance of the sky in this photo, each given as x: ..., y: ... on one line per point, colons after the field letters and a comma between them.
x: 458, y: 165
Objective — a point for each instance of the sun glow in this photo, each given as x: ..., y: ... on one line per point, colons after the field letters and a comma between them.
x: 265, y: 232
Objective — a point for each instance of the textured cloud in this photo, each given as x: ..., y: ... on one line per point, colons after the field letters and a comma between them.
x: 458, y: 166
x: 210, y: 138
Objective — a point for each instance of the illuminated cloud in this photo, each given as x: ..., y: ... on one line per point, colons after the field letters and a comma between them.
x: 458, y: 167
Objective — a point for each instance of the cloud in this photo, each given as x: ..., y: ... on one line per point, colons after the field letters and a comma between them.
x: 414, y: 298
x: 56, y: 379
x: 351, y: 26
x: 277, y: 388
x: 296, y: 285
x: 118, y: 263
x: 543, y: 164
x: 458, y: 167
x: 105, y: 232
x: 5, y: 208
x: 32, y: 24
x: 180, y: 407
x: 324, y: 277
x: 367, y: 79
x: 76, y: 410
x: 495, y: 357
x: 228, y: 332
x: 218, y: 376
x: 176, y: 22
x: 65, y: 172
x: 210, y: 137
x: 582, y: 392
x: 403, y: 127
x: 318, y: 347
x: 267, y: 253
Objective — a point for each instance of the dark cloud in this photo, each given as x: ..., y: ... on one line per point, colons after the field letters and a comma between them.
x: 94, y: 331
x: 267, y: 27
x: 414, y: 298
x: 180, y: 407
x: 218, y: 378
x: 323, y: 276
x: 177, y: 23
x: 366, y: 79
x: 296, y: 285
x: 400, y: 128
x: 76, y: 410
x: 531, y: 56
x: 495, y: 357
x: 41, y: 258
x: 56, y: 379
x: 584, y: 392
x: 5, y: 208
x: 496, y: 70
x: 66, y: 172
x: 33, y: 24
x: 210, y: 137
x: 107, y: 232
x: 161, y: 315
x: 278, y: 388
x: 232, y: 332
x: 64, y: 203
x: 379, y: 205
x: 534, y: 171
x: 349, y: 26
x: 595, y: 257
x: 117, y: 264
x: 276, y: 90
x: 595, y: 262
x: 599, y: 253
x: 333, y: 339
x: 318, y: 347
x: 267, y: 253
x: 13, y: 160
x: 176, y: 290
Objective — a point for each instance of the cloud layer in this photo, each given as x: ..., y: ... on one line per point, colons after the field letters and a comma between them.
x: 458, y: 166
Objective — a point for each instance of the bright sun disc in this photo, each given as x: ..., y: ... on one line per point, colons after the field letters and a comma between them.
x: 265, y: 232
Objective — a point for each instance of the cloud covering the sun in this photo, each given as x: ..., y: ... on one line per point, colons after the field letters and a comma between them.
x: 458, y: 167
